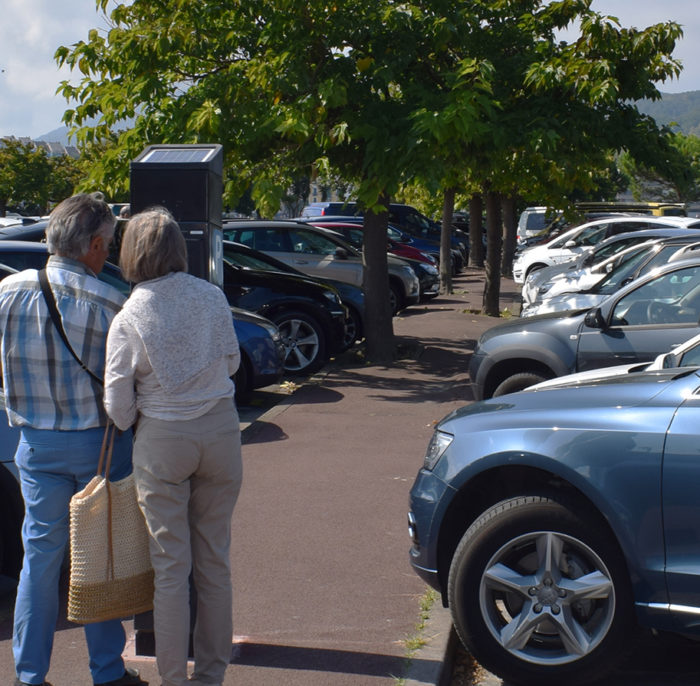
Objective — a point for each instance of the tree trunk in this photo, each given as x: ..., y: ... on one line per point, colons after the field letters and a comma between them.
x: 3, y: 206
x: 510, y: 235
x: 379, y: 332
x: 492, y: 285
x: 446, y: 241
x: 476, y: 230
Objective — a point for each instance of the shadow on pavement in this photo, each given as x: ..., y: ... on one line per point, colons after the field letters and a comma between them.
x: 263, y: 432
x: 324, y: 660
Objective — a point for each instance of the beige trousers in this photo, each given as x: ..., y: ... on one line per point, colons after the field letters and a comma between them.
x: 188, y: 475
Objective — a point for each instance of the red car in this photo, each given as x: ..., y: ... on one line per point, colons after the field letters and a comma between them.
x: 352, y: 232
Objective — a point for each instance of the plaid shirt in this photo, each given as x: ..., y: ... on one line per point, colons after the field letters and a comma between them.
x: 45, y: 388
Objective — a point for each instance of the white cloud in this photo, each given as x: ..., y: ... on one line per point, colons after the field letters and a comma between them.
x: 32, y: 32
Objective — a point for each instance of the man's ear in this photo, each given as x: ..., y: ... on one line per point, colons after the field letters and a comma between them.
x: 96, y: 243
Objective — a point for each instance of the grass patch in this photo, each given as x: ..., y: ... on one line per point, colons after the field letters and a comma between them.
x: 417, y: 640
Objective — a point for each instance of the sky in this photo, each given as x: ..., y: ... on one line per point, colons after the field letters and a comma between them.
x: 34, y: 29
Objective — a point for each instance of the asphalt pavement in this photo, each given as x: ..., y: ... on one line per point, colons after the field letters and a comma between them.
x: 323, y: 590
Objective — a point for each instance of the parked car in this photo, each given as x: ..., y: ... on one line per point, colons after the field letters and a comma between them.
x: 314, y: 252
x: 309, y: 314
x: 353, y: 233
x: 262, y: 351
x: 575, y: 241
x: 21, y: 232
x: 590, y: 286
x: 554, y: 521
x: 635, y: 324
x: 423, y: 265
x: 404, y: 217
x: 431, y: 248
x: 352, y: 297
x: 594, y: 256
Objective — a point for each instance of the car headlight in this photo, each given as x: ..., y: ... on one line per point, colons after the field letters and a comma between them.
x: 437, y: 446
x: 332, y: 296
x: 543, y: 289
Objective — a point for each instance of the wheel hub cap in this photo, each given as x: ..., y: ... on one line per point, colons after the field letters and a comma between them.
x: 547, y: 598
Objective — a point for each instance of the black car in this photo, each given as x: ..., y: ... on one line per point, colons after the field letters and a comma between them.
x: 22, y: 232
x: 353, y: 297
x: 309, y: 314
x: 635, y: 324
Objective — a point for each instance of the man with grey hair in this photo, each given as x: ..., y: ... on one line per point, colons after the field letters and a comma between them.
x: 56, y: 402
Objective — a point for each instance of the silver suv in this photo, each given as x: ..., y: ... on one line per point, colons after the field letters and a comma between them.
x: 313, y: 251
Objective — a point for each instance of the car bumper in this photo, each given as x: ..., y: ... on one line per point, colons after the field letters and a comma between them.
x: 336, y: 339
x: 267, y: 360
x: 429, y: 285
x: 474, y: 367
x: 426, y: 503
x: 517, y: 273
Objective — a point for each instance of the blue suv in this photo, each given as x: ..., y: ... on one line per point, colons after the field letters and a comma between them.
x: 557, y: 520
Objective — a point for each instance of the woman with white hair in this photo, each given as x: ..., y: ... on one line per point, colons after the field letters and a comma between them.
x: 171, y: 353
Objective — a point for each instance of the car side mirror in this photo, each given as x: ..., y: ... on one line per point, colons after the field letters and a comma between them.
x: 594, y: 319
x: 341, y: 253
x: 570, y: 244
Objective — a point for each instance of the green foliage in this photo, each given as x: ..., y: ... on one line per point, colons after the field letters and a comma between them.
x: 387, y: 96
x: 25, y: 172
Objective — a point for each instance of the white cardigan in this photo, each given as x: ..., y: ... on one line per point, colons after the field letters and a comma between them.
x: 170, y: 351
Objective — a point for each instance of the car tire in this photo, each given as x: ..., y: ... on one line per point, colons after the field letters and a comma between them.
x: 353, y: 328
x: 304, y: 342
x: 395, y: 299
x: 540, y: 595
x: 518, y: 382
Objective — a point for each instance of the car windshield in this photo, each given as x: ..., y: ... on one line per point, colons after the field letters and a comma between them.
x: 691, y: 358
x: 247, y: 261
x: 670, y: 298
x: 626, y: 270
x: 605, y: 251
x: 312, y: 243
x: 395, y: 235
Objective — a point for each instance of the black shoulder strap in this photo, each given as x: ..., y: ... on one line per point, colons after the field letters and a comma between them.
x: 56, y: 319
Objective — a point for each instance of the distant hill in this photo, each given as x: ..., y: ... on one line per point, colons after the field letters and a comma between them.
x: 682, y: 109
x: 59, y: 135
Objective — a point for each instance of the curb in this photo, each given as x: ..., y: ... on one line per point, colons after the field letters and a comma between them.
x: 432, y: 663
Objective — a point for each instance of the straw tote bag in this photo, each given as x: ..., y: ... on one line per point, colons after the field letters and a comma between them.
x: 110, y: 568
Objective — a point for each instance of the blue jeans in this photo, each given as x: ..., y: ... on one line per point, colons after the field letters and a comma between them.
x: 53, y: 465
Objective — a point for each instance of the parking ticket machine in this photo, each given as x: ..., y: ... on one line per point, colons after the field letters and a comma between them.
x: 186, y: 179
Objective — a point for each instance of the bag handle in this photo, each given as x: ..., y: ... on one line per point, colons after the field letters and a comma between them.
x: 103, y: 466
x: 56, y: 319
x: 106, y: 451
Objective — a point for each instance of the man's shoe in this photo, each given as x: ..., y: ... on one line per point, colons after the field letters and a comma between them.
x: 24, y: 683
x: 129, y: 678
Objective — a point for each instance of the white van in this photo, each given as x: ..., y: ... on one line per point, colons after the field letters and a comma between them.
x: 532, y: 221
